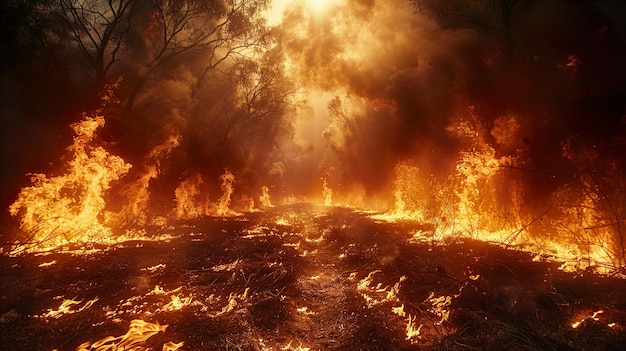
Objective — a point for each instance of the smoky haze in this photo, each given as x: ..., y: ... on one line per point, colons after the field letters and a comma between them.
x: 406, y: 73
x: 400, y: 79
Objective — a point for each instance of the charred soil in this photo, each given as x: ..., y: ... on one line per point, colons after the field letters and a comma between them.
x: 305, y: 277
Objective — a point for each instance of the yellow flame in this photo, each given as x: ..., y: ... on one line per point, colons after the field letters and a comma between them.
x: 48, y: 264
x: 138, y: 332
x: 305, y: 310
x: 295, y: 348
x: 232, y: 303
x: 594, y: 316
x: 327, y: 193
x: 66, y: 308
x: 228, y: 180
x: 480, y: 200
x: 399, y: 311
x: 190, y: 201
x: 411, y: 330
x: 265, y: 197
x: 378, y: 294
x: 66, y: 208
x: 440, y: 306
x: 135, y: 209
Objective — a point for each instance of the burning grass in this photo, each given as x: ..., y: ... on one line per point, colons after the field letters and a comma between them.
x: 303, y: 277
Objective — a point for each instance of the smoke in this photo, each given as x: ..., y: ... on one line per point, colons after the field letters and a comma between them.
x: 397, y: 75
x: 403, y: 84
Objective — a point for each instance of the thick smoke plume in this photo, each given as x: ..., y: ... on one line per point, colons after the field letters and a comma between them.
x: 404, y: 83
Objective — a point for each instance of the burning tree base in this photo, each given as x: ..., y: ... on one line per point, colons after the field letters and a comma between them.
x: 302, y: 277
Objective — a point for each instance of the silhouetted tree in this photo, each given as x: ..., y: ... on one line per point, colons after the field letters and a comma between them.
x: 216, y: 29
x: 99, y: 29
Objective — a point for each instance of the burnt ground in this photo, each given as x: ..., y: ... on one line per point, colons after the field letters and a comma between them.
x: 303, y: 277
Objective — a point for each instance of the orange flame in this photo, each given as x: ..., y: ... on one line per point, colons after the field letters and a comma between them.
x: 327, y: 192
x: 223, y: 209
x: 265, y: 197
x: 138, y: 332
x: 67, y: 208
x: 190, y: 200
x: 582, y: 226
x: 136, y: 210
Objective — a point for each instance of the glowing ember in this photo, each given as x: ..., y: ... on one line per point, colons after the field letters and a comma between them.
x: 305, y: 310
x: 232, y: 303
x: 399, y: 311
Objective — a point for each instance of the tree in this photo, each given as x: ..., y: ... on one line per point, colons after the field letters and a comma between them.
x: 264, y: 95
x: 99, y: 29
x: 218, y: 29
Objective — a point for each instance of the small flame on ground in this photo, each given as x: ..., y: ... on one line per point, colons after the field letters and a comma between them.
x: 399, y: 311
x: 411, y: 330
x: 228, y: 180
x: 379, y: 294
x: 48, y: 264
x: 295, y: 348
x: 327, y: 192
x: 264, y: 198
x: 138, y: 332
x: 66, y: 308
x: 155, y: 268
x: 440, y: 306
x: 305, y: 310
x: 232, y: 303
x: 594, y: 316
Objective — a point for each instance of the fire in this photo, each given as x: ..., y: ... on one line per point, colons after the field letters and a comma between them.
x: 265, y: 197
x: 300, y: 347
x: 67, y: 208
x: 66, y: 308
x: 411, y: 330
x: 228, y: 180
x: 378, y: 294
x: 440, y: 306
x: 481, y: 201
x: 190, y: 200
x: 138, y: 333
x: 327, y: 192
x: 595, y: 316
x: 232, y: 303
x: 48, y: 264
x: 135, y: 211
